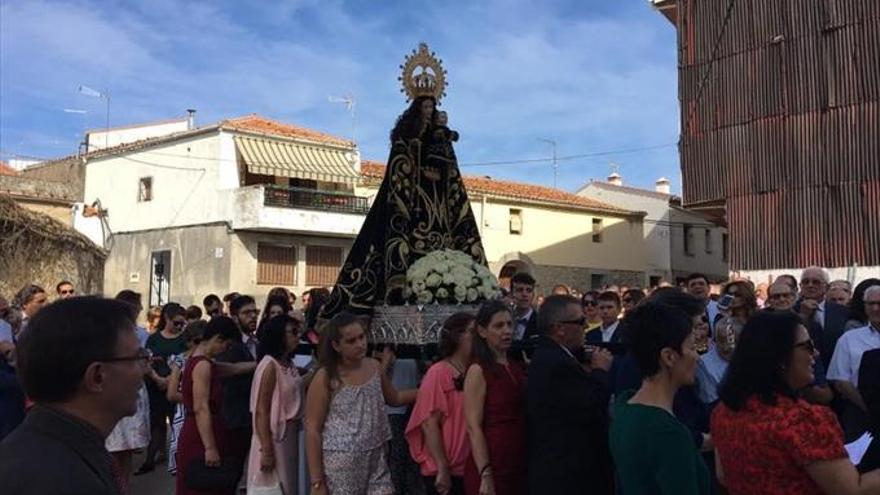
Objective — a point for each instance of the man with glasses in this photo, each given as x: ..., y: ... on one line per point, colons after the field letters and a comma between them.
x: 79, y: 397
x: 567, y: 406
x: 844, y: 369
x: 812, y: 306
x: 237, y: 389
x: 65, y: 290
x: 698, y: 286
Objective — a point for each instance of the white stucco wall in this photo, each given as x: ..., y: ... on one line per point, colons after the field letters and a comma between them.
x: 187, y: 177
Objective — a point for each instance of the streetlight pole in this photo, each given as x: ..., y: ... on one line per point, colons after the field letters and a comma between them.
x: 555, y: 165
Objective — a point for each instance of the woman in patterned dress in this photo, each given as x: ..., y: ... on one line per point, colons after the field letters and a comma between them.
x: 346, y: 424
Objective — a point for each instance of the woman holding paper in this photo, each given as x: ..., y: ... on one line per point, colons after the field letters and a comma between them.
x: 767, y: 439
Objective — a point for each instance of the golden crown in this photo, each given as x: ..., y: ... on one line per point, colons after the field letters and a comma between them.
x: 423, y: 75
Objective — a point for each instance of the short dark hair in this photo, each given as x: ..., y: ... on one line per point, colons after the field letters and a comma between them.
x: 169, y: 311
x: 63, y: 282
x: 765, y: 345
x: 653, y: 327
x: 609, y: 295
x: 193, y: 313
x: 553, y: 310
x: 272, y: 336
x: 131, y: 298
x: 450, y: 335
x: 48, y: 368
x: 278, y: 292
x: 672, y: 296
x: 635, y: 294
x: 228, y: 298
x: 696, y: 276
x: 522, y: 278
x: 223, y: 326
x: 210, y: 300
x: 194, y: 331
x: 240, y: 302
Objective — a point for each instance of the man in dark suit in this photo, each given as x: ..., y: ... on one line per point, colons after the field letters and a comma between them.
x: 826, y: 319
x: 609, y: 312
x: 237, y: 389
x: 567, y: 407
x: 525, y: 318
x: 79, y: 396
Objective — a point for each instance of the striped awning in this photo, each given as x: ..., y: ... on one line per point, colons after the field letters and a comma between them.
x: 297, y: 160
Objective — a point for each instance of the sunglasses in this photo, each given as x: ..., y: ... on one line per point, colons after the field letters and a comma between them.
x: 806, y: 345
x: 590, y: 302
x: 627, y: 300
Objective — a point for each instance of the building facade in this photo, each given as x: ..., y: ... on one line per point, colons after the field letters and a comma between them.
x: 780, y: 113
x: 558, y: 237
x: 678, y: 241
x: 243, y: 205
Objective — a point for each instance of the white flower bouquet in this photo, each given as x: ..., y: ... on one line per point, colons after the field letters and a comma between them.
x: 449, y: 277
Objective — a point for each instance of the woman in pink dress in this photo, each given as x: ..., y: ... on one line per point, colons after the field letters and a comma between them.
x: 494, y: 408
x: 276, y: 404
x: 436, y: 432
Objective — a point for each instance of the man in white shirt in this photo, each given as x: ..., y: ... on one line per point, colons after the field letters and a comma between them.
x: 844, y: 369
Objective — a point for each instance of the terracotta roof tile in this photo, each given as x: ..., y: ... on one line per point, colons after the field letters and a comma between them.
x: 6, y: 169
x: 513, y: 190
x: 256, y: 123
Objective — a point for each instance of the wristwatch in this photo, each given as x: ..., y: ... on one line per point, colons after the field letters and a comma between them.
x: 318, y: 483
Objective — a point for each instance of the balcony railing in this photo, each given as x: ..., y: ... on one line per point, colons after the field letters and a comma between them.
x: 296, y: 197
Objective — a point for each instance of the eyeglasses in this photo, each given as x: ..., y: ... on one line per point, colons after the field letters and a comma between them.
x: 808, y: 281
x: 67, y: 292
x: 627, y: 300
x: 590, y: 302
x: 579, y: 322
x: 143, y: 356
x: 806, y: 345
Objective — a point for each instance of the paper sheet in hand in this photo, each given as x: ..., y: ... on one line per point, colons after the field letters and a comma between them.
x: 857, y: 448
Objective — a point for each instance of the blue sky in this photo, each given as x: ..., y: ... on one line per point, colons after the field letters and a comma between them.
x: 594, y: 75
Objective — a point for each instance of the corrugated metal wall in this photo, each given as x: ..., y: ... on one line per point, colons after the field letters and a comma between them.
x: 787, y: 128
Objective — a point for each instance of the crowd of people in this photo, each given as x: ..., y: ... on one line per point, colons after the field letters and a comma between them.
x: 674, y: 390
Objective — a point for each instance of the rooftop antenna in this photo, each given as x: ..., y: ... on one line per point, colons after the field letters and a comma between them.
x: 105, y: 95
x: 349, y: 102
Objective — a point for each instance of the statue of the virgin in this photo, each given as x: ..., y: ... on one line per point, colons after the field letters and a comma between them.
x: 421, y: 206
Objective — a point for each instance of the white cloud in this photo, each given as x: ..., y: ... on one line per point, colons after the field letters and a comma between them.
x: 519, y: 71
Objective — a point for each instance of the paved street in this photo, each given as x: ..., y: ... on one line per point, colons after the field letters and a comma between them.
x: 159, y: 482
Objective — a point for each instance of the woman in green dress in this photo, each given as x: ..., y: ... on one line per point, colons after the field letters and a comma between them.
x: 653, y: 451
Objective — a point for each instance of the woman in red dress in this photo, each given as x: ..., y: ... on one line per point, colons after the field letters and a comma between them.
x: 202, y: 436
x: 494, y: 408
x: 769, y: 441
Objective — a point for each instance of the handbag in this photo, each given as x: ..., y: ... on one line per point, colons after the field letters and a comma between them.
x: 213, y: 478
x: 265, y: 490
